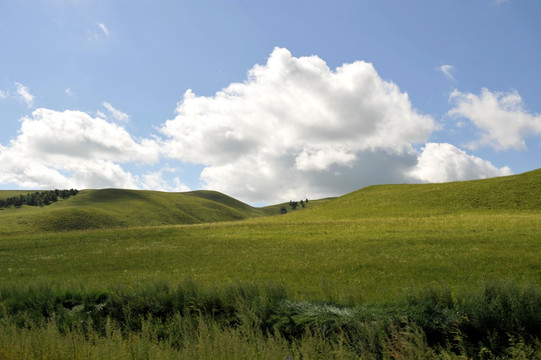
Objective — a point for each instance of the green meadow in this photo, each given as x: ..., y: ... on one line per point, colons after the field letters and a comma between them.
x: 387, y: 253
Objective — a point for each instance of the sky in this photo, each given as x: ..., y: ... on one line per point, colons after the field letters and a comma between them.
x: 267, y: 101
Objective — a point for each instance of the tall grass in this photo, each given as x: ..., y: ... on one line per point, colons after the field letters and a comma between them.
x: 189, y: 320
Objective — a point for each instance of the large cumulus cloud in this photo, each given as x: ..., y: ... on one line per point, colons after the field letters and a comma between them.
x: 296, y: 128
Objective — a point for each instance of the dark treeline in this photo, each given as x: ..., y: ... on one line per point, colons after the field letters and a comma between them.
x: 38, y: 198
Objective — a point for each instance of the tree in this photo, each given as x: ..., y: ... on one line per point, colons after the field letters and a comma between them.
x: 18, y: 201
x: 38, y: 198
x: 32, y: 199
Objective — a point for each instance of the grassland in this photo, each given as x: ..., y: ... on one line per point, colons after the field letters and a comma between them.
x: 115, y: 208
x: 372, y: 246
x: 376, y: 259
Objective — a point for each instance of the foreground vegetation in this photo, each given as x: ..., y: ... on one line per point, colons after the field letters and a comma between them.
x: 395, y: 271
x: 189, y: 321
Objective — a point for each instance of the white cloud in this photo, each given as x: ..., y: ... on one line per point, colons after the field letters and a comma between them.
x: 104, y: 28
x: 445, y: 162
x: 155, y: 181
x: 24, y: 94
x: 273, y: 179
x: 447, y: 70
x: 97, y: 36
x: 68, y: 92
x: 501, y: 117
x: 321, y: 159
x: 17, y: 168
x: 101, y: 174
x: 75, y: 134
x: 4, y: 94
x: 293, y: 122
x: 70, y: 148
x: 117, y: 114
x: 294, y: 129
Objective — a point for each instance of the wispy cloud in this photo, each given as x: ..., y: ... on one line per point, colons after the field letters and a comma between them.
x: 3, y: 94
x: 117, y: 114
x: 104, y: 28
x: 97, y: 35
x: 68, y: 92
x: 447, y: 70
x: 24, y: 94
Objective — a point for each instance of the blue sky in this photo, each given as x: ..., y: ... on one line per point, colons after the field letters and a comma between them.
x: 267, y: 101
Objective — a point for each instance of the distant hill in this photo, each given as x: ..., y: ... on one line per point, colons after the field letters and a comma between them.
x: 515, y: 192
x: 108, y: 208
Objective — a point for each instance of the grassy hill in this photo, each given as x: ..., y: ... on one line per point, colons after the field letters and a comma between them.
x: 381, y: 236
x: 508, y: 193
x: 10, y: 193
x: 276, y: 208
x: 113, y: 208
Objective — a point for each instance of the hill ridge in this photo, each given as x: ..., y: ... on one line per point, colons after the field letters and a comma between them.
x: 115, y: 208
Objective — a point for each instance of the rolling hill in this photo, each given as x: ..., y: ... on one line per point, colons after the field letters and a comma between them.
x: 508, y: 193
x: 112, y: 208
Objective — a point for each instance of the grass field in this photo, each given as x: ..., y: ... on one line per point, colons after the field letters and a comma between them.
x: 376, y: 258
x: 372, y: 246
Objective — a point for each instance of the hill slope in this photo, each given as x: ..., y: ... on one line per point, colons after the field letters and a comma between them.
x: 108, y: 208
x: 509, y: 193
